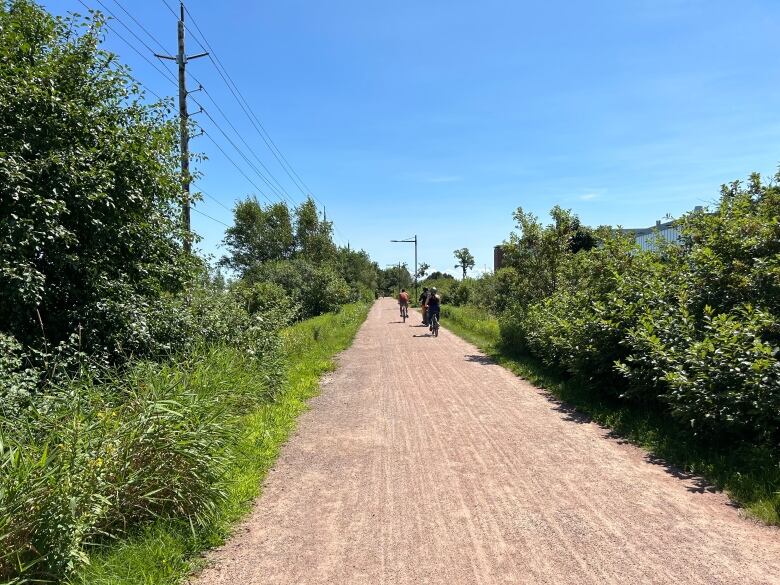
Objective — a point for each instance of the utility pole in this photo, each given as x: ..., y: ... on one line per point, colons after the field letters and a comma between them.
x: 181, y: 59
x: 410, y: 241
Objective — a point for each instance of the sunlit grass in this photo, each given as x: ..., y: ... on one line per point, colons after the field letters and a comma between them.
x: 164, y: 552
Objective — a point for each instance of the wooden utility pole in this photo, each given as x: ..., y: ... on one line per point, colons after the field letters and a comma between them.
x: 181, y: 59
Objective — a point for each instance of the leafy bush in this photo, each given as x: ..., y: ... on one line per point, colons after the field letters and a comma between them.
x: 461, y: 293
x: 721, y: 377
x: 444, y: 286
x: 18, y: 382
x: 267, y: 299
x: 692, y: 327
x: 89, y: 222
x: 312, y: 290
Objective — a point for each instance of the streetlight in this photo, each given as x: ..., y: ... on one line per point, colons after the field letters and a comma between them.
x: 411, y: 241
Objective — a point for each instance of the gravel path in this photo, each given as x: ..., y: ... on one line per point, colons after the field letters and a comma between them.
x: 422, y: 462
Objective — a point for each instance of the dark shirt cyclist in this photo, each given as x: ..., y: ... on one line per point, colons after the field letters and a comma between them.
x: 424, y: 304
x: 434, y: 306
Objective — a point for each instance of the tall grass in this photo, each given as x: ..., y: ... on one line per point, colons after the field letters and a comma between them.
x: 163, y: 552
x: 93, y: 459
x: 749, y: 475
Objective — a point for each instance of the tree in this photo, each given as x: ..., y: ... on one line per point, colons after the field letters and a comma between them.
x: 393, y: 279
x: 422, y: 270
x: 90, y: 231
x: 465, y: 260
x: 538, y: 251
x: 259, y: 234
x: 436, y: 275
x: 313, y: 237
x: 360, y: 272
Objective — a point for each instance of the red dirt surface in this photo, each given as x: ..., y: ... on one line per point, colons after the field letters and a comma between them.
x: 422, y: 462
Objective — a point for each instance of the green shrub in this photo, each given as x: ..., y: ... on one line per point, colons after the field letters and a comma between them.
x: 17, y: 381
x: 720, y: 377
x: 462, y: 293
x: 692, y: 327
x: 106, y: 454
x: 313, y: 290
x: 444, y: 286
x: 89, y: 227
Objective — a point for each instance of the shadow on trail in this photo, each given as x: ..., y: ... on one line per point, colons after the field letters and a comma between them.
x: 480, y: 359
x: 571, y: 414
x: 695, y: 483
x: 699, y: 485
x: 621, y: 435
x: 423, y: 335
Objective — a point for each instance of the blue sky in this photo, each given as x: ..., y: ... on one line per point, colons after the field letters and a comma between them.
x: 440, y: 118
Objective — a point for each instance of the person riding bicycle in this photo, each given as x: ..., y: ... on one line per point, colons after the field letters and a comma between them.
x: 403, y: 301
x: 424, y: 305
x: 434, y: 307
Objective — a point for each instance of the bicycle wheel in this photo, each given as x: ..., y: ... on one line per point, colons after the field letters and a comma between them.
x: 403, y: 313
x: 435, y: 326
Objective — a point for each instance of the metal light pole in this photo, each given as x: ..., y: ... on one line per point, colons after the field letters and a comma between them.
x: 411, y: 241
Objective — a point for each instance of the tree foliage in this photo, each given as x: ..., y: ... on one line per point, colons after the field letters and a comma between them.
x: 89, y: 224
x: 295, y: 251
x: 465, y: 260
x: 691, y: 327
x: 259, y: 234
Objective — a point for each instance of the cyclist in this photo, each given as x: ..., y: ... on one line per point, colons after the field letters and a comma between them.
x: 424, y: 305
x: 434, y: 307
x: 403, y: 301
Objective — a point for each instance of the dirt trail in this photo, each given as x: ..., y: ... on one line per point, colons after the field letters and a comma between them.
x: 421, y: 462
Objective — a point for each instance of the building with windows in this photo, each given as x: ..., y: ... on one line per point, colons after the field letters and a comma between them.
x: 647, y: 238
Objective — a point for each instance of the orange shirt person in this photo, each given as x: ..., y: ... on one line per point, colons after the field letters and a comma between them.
x: 403, y: 300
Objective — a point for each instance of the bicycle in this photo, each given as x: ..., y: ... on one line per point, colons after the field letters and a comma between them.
x: 404, y: 312
x: 435, y: 324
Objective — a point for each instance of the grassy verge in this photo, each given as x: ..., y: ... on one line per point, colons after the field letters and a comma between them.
x: 165, y: 552
x: 749, y: 475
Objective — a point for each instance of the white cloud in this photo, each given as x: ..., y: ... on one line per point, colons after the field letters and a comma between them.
x: 589, y: 196
x: 444, y: 179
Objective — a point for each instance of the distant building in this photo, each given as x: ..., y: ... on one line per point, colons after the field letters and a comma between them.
x: 647, y: 237
x: 498, y: 257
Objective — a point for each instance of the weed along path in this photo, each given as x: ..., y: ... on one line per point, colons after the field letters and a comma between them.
x: 421, y: 462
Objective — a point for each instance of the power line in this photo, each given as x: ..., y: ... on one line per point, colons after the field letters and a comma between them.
x: 196, y: 210
x: 280, y: 191
x: 208, y: 94
x: 278, y: 188
x: 163, y: 72
x: 131, y: 31
x: 132, y: 46
x: 141, y: 26
x: 254, y: 120
x: 214, y: 199
x: 241, y: 153
x: 244, y: 104
x: 171, y: 10
x: 238, y: 168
